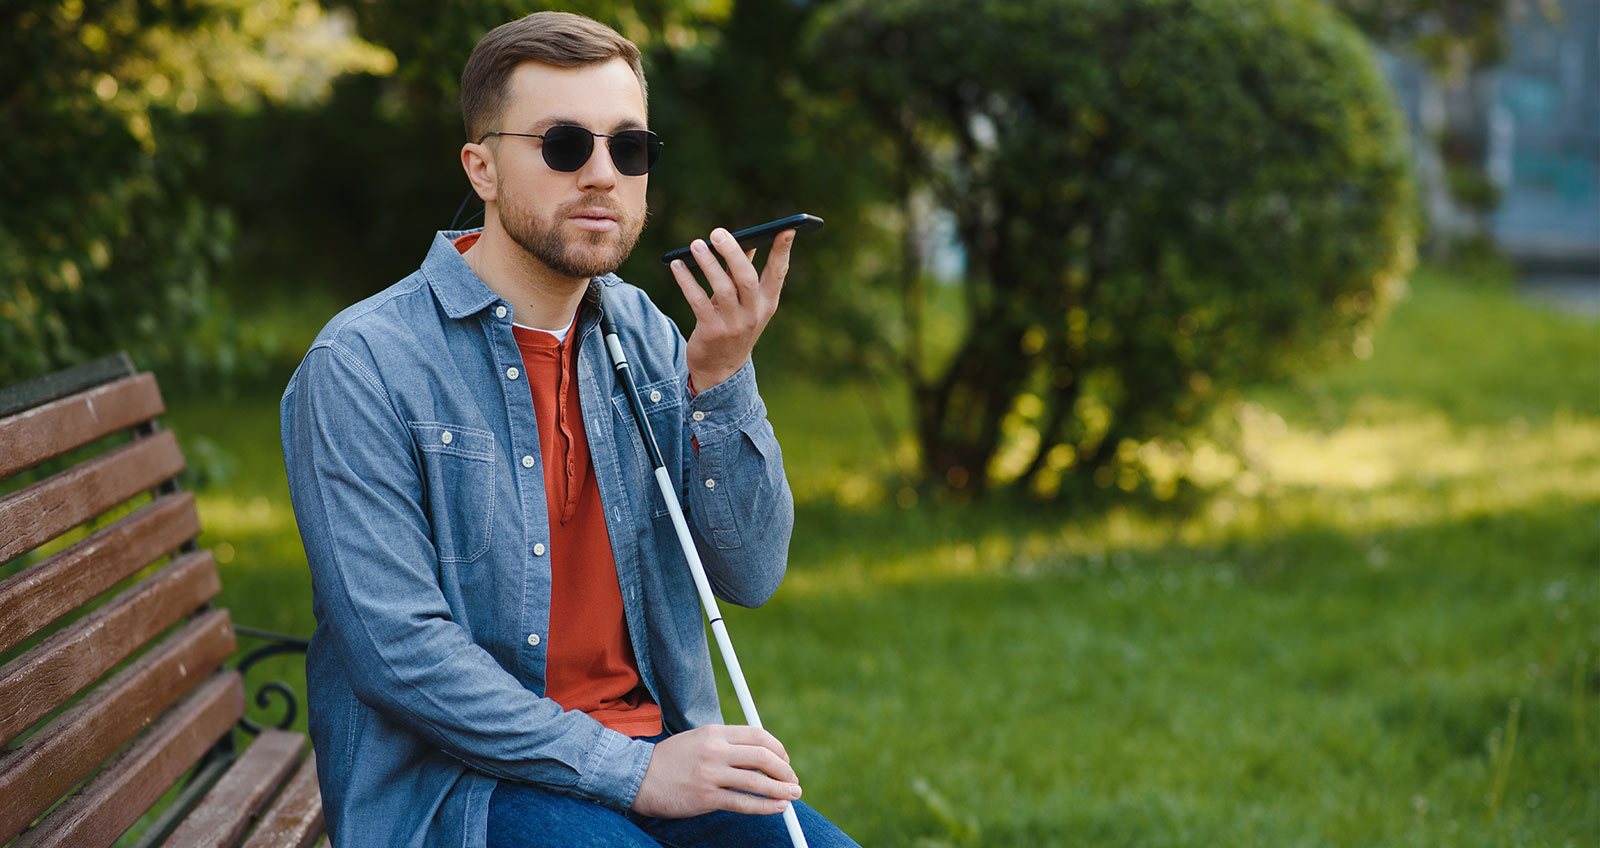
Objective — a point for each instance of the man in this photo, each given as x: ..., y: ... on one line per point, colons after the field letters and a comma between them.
x: 509, y: 648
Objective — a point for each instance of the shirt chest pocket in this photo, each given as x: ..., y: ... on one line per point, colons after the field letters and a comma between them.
x: 663, y: 406
x: 457, y: 487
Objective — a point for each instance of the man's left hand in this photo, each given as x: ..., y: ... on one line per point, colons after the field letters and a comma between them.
x: 728, y: 322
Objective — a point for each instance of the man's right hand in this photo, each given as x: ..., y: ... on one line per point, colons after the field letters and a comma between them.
x: 712, y: 768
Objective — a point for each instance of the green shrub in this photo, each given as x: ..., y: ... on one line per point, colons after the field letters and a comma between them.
x: 107, y: 240
x: 1157, y: 199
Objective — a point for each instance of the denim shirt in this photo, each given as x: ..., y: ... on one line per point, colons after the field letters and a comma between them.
x: 415, y: 472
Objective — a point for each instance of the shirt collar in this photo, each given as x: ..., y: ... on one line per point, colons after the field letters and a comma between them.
x: 458, y: 288
x: 462, y: 292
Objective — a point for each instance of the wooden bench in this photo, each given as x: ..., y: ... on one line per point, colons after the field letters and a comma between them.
x: 115, y: 686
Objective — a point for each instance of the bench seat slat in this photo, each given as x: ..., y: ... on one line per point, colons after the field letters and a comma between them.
x: 225, y: 815
x: 57, y: 504
x: 98, y: 813
x: 52, y: 760
x: 48, y: 431
x: 50, y: 673
x: 36, y: 597
x: 295, y: 821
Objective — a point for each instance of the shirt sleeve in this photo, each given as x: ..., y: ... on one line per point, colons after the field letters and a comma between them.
x: 739, y: 502
x: 357, y: 496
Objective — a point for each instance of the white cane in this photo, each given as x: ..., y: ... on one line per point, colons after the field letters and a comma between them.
x: 669, y: 493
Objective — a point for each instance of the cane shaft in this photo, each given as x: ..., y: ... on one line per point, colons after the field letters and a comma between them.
x: 719, y: 629
x: 697, y: 570
x: 708, y: 602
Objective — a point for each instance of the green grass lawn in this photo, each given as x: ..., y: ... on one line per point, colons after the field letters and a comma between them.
x: 1383, y: 629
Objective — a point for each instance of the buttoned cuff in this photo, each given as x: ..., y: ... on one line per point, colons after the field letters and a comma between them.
x: 725, y: 406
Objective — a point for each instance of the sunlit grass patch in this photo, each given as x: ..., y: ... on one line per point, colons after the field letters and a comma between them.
x: 1315, y: 688
x: 228, y: 514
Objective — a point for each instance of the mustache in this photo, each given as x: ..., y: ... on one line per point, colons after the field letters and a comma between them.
x: 606, y: 203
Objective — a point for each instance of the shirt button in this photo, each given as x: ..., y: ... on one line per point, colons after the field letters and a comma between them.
x: 499, y: 312
x: 446, y: 437
x: 533, y: 639
x: 711, y: 484
x: 527, y: 462
x: 699, y: 416
x: 511, y: 373
x: 655, y: 397
x: 538, y: 549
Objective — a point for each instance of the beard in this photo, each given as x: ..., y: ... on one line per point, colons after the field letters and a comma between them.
x: 589, y: 255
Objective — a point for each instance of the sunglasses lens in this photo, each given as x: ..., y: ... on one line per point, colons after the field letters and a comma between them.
x: 567, y: 148
x: 634, y: 151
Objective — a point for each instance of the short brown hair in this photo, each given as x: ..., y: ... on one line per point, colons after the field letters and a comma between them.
x: 561, y: 39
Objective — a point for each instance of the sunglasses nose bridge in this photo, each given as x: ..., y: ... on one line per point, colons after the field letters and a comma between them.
x: 600, y: 157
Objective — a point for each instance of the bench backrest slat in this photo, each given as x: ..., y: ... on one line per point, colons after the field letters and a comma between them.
x: 34, y: 599
x: 56, y: 757
x: 55, y: 505
x: 52, y: 672
x: 233, y: 804
x: 98, y: 813
x: 65, y: 382
x: 112, y: 685
x: 49, y: 431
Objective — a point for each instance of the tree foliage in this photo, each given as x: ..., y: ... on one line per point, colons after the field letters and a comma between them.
x: 103, y: 242
x: 349, y: 201
x: 345, y: 195
x: 1157, y: 199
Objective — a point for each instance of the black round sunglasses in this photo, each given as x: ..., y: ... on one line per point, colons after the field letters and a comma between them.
x: 567, y: 148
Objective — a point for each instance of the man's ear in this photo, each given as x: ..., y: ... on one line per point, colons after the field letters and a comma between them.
x: 478, y: 161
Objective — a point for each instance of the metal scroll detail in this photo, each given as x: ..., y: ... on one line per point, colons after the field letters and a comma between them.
x: 277, y: 644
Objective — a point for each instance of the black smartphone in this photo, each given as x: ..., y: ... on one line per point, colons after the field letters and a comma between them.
x: 756, y: 236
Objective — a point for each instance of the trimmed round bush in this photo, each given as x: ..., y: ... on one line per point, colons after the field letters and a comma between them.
x: 1157, y: 199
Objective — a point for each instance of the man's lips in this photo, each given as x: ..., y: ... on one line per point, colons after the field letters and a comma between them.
x: 594, y: 220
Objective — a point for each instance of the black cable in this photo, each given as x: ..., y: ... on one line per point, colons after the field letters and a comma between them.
x: 471, y: 193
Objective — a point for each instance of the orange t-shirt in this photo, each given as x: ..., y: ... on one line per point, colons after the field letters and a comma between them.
x: 589, y: 662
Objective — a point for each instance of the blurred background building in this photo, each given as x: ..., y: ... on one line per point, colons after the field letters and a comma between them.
x: 1544, y: 144
x: 1533, y: 120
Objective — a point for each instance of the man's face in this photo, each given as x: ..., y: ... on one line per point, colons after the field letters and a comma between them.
x: 579, y: 224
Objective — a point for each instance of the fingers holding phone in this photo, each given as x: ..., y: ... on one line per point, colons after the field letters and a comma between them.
x: 728, y: 322
x: 742, y: 301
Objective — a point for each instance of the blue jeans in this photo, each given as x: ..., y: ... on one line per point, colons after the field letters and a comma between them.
x: 525, y: 816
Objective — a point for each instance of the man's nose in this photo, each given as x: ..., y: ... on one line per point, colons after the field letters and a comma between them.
x: 599, y: 172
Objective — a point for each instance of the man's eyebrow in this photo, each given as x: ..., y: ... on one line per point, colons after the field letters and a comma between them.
x: 547, y: 123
